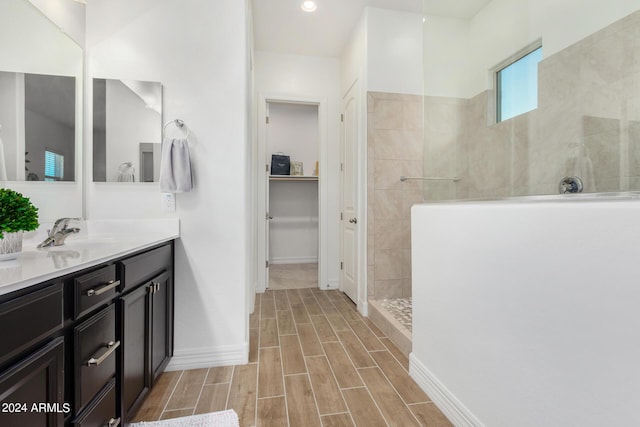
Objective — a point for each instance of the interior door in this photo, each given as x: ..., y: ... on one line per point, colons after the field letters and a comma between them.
x: 349, y: 229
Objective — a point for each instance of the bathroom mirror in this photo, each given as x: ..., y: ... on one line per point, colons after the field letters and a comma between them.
x: 127, y: 130
x: 40, y: 97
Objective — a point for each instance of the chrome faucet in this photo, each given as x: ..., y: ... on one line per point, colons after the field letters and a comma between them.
x: 59, y: 232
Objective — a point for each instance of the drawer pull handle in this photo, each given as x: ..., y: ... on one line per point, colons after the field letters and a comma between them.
x: 111, y: 347
x: 114, y: 422
x: 110, y: 285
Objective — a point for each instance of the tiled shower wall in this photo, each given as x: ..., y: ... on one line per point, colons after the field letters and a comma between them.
x: 587, y: 123
x: 395, y: 148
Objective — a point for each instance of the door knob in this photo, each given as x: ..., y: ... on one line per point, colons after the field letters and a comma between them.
x: 353, y: 221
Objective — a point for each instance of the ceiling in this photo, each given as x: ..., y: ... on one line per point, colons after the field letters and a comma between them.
x: 281, y: 26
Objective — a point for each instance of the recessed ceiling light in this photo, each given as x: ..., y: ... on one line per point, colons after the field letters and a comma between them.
x: 309, y: 6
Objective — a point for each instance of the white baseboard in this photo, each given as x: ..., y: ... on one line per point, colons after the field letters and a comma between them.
x: 363, y: 308
x: 208, y: 357
x: 450, y: 406
x: 294, y: 260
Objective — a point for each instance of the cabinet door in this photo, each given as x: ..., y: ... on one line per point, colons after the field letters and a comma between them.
x: 36, y: 379
x: 161, y: 323
x: 135, y: 340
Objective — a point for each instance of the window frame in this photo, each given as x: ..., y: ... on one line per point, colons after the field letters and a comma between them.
x: 495, y: 103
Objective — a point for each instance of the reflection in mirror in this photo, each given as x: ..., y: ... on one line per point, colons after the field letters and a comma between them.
x: 127, y: 130
x: 38, y: 127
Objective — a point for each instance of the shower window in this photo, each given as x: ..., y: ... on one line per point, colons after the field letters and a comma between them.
x: 517, y: 84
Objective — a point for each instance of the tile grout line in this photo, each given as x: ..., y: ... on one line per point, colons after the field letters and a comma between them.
x: 358, y: 372
x: 284, y: 385
x: 201, y: 389
x: 164, y: 408
x: 304, y: 358
x: 335, y: 332
x: 382, y: 371
x: 233, y: 371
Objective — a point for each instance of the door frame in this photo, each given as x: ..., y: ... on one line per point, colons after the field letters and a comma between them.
x: 262, y: 274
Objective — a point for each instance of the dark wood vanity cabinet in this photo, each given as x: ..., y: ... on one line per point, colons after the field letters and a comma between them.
x: 147, y: 323
x: 86, y: 348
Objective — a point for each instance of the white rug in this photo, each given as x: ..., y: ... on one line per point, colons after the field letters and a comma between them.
x: 227, y: 418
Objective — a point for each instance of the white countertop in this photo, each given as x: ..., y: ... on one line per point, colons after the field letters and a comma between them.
x: 97, y: 242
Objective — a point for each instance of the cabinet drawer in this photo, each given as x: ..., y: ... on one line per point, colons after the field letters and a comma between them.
x: 102, y: 411
x: 29, y: 319
x: 93, y: 289
x: 139, y: 268
x: 94, y: 355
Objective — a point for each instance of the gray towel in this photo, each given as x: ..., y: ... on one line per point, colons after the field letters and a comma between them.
x: 175, y: 167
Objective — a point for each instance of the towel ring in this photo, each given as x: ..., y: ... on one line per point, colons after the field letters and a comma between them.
x: 179, y: 124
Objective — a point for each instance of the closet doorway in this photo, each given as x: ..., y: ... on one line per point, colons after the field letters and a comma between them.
x: 292, y: 247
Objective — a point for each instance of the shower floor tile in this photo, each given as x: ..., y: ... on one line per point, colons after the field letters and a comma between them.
x: 401, y: 309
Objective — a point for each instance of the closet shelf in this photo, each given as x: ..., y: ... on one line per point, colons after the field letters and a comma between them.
x: 292, y: 178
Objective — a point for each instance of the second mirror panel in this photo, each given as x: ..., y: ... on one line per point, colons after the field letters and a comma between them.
x: 127, y: 130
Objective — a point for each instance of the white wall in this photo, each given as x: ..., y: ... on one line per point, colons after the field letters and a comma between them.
x: 353, y: 61
x: 293, y: 130
x: 525, y: 312
x: 394, y: 51
x: 311, y: 77
x: 31, y: 43
x: 501, y: 29
x: 68, y: 15
x: 197, y: 50
x: 293, y: 231
x: 446, y: 56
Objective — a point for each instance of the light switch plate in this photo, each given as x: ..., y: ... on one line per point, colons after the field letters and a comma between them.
x: 168, y: 202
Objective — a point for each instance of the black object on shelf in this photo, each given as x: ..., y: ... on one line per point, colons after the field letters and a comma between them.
x: 280, y: 164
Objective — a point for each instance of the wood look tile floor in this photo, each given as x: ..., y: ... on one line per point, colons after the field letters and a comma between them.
x: 313, y: 361
x: 293, y: 276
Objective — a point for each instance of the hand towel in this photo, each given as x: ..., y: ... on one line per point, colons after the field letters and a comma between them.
x: 175, y: 166
x: 126, y: 172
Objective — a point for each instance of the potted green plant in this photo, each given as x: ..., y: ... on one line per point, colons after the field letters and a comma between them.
x: 17, y: 214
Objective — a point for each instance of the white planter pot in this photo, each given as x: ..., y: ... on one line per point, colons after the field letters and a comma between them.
x: 10, y: 245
